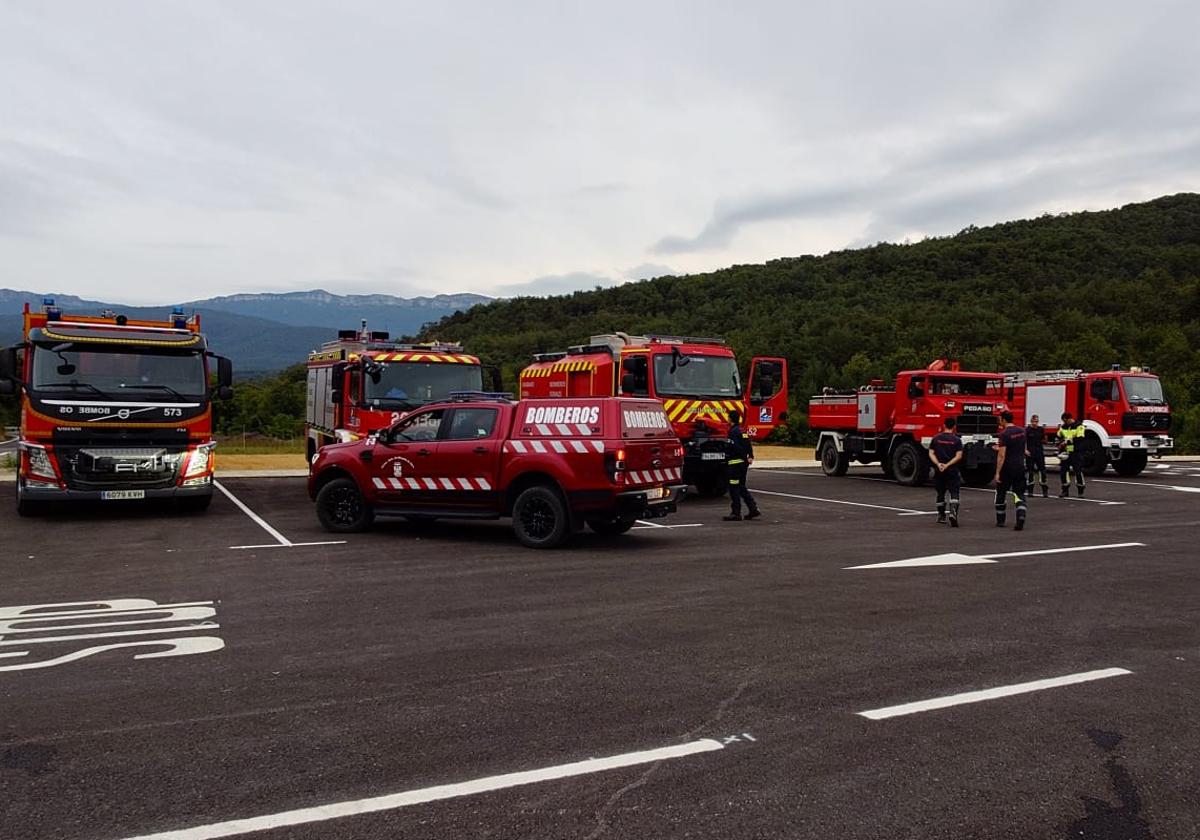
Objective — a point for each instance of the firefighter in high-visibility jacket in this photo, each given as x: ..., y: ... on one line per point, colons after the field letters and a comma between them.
x: 1070, y: 453
x: 739, y: 456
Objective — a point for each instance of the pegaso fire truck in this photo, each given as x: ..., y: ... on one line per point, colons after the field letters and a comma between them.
x: 892, y: 424
x: 113, y: 408
x: 696, y: 379
x: 1124, y: 413
x: 362, y: 381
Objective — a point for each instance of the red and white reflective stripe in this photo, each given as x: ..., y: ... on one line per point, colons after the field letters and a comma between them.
x: 654, y: 476
x: 562, y: 447
x: 562, y: 429
x: 456, y: 483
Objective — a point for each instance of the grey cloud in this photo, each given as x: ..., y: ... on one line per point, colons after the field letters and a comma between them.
x: 555, y: 284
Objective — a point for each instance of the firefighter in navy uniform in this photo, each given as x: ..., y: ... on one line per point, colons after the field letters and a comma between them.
x: 945, y: 453
x: 1010, y: 470
x: 1070, y: 440
x: 739, y: 457
x: 1035, y: 454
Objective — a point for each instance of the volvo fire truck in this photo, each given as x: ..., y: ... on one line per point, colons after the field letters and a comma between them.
x: 696, y: 379
x: 363, y: 381
x: 892, y: 423
x: 1124, y: 412
x: 113, y: 408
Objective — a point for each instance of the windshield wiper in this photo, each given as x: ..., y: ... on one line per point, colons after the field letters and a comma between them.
x: 166, y: 388
x: 87, y: 385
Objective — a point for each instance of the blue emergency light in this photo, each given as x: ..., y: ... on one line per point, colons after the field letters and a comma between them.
x: 178, y: 319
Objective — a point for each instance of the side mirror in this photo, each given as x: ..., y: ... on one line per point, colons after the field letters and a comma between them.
x: 628, y: 383
x: 224, y: 392
x: 335, y: 396
x: 497, y: 382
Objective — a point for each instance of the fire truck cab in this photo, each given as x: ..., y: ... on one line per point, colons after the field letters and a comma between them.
x: 892, y: 424
x: 113, y: 408
x: 363, y: 381
x: 696, y: 380
x: 1124, y: 412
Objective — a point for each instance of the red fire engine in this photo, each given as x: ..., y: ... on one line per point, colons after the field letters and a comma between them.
x: 1124, y: 412
x: 696, y: 379
x: 893, y: 424
x: 113, y: 408
x: 362, y: 381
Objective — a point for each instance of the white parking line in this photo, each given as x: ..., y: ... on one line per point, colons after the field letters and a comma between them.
x: 1178, y: 488
x: 643, y: 524
x: 338, y: 810
x: 283, y: 542
x: 974, y: 489
x: 903, y: 511
x: 991, y: 693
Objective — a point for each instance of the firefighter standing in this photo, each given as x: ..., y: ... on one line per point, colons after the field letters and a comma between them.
x: 1035, y: 455
x: 1070, y: 436
x: 1010, y: 470
x: 945, y: 453
x: 739, y: 457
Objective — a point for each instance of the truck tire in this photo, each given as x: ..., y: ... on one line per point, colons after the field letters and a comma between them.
x: 342, y: 509
x: 1093, y: 456
x: 833, y: 463
x: 540, y: 518
x: 885, y: 464
x: 910, y: 464
x: 612, y: 526
x: 1130, y: 463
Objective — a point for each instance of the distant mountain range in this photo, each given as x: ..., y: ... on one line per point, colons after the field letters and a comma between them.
x: 263, y: 332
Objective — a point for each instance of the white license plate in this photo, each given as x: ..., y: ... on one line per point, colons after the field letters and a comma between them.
x: 712, y: 456
x: 122, y: 494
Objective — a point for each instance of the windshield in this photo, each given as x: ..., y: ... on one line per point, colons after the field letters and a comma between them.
x: 114, y: 373
x: 411, y: 384
x: 1144, y: 389
x: 696, y: 376
x: 964, y: 386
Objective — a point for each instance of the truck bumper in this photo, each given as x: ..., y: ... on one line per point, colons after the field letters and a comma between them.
x: 1146, y: 443
x: 635, y: 503
x: 45, y: 493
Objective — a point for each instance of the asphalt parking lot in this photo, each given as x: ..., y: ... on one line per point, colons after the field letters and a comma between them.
x: 243, y: 673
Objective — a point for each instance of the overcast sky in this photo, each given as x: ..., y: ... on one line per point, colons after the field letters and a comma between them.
x: 161, y: 151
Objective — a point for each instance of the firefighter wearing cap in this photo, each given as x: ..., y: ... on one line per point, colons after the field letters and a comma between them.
x: 1070, y: 445
x: 739, y: 456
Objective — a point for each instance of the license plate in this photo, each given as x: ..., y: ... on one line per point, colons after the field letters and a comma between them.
x: 656, y: 493
x: 123, y: 494
x: 712, y: 456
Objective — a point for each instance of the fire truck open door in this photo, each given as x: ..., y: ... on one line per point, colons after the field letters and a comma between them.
x: 766, y: 396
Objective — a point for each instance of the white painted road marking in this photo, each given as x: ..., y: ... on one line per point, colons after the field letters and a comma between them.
x: 925, y: 513
x: 337, y: 810
x: 643, y: 524
x: 991, y: 693
x: 284, y: 542
x: 1178, y: 488
x: 903, y: 511
x: 955, y: 559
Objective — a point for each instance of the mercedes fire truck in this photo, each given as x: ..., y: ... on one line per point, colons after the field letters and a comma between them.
x: 1124, y: 412
x: 892, y: 423
x: 696, y: 379
x: 113, y: 408
x: 363, y: 381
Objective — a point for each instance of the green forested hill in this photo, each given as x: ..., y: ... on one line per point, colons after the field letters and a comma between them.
x: 1074, y: 290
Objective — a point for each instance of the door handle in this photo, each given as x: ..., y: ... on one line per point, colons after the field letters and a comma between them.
x: 424, y: 452
x: 481, y: 450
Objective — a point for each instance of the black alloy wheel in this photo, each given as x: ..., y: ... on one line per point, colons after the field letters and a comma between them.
x: 540, y: 517
x: 342, y: 509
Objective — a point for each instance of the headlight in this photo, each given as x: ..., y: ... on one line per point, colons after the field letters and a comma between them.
x: 39, y: 461
x: 200, y: 459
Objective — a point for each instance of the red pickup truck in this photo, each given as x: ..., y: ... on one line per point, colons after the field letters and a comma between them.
x: 552, y: 465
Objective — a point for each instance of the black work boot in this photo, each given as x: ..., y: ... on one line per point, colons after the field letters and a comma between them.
x: 1020, y: 526
x: 1045, y: 491
x: 754, y: 514
x: 733, y: 517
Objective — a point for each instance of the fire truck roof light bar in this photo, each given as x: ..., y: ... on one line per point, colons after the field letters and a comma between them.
x: 131, y: 327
